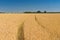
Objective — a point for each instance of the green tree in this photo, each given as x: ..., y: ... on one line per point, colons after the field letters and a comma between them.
x: 44, y: 11
x: 38, y: 11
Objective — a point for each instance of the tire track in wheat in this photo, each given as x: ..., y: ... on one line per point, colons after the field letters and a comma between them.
x: 52, y: 36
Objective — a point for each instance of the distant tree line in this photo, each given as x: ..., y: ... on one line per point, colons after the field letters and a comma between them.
x: 36, y: 12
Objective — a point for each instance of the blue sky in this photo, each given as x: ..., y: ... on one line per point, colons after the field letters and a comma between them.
x: 29, y: 5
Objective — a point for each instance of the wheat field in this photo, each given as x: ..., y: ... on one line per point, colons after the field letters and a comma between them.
x: 29, y: 26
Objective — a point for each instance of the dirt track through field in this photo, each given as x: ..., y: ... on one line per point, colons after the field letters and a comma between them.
x: 36, y: 26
